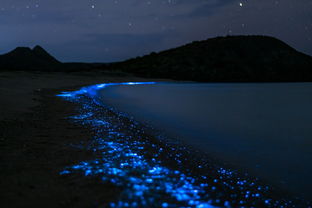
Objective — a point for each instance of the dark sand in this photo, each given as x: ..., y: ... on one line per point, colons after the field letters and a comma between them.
x: 34, y: 138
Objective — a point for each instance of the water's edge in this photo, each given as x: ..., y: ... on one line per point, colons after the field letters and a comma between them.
x: 155, y: 173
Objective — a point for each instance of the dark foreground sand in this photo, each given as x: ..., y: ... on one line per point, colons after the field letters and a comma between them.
x: 35, y: 146
x: 34, y: 132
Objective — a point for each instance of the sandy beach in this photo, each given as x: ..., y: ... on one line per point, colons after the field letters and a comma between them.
x: 40, y: 148
x: 155, y: 104
x: 35, y: 137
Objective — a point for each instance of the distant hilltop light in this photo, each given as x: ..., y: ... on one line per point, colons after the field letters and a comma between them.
x: 240, y: 4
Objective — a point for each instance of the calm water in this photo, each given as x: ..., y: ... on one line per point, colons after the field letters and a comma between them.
x: 264, y: 128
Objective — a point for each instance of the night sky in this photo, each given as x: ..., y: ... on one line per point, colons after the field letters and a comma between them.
x: 112, y: 30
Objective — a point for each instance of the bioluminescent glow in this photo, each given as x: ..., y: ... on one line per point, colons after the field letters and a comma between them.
x: 154, y: 174
x: 91, y: 90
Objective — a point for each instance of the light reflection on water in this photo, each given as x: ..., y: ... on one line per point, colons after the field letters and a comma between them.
x: 129, y: 160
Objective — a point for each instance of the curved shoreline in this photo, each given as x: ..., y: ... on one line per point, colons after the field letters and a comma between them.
x: 38, y: 140
x: 208, y: 184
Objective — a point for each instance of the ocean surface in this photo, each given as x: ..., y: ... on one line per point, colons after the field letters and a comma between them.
x: 265, y: 129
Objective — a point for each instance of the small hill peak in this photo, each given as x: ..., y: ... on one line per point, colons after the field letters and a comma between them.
x: 43, y: 54
x: 25, y: 58
x: 38, y: 48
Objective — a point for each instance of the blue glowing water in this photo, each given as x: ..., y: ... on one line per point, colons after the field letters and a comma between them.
x: 154, y: 173
x: 265, y: 128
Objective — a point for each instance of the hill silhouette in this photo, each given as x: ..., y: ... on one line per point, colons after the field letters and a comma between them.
x: 221, y: 59
x: 224, y: 59
x: 38, y: 59
x: 24, y: 58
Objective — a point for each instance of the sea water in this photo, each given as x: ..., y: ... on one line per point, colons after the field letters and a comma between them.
x: 263, y: 128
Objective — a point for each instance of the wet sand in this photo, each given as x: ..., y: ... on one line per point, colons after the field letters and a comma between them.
x: 154, y: 170
x: 38, y: 142
x: 265, y: 128
x: 35, y: 139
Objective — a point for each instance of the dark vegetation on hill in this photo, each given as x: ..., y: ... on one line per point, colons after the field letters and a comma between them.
x: 221, y: 59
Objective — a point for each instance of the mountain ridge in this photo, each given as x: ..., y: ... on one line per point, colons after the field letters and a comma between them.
x: 224, y: 59
x: 25, y: 58
x: 221, y: 59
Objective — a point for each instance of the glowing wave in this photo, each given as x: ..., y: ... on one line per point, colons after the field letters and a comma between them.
x: 128, y: 160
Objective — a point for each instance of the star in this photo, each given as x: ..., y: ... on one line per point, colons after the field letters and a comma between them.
x: 151, y: 20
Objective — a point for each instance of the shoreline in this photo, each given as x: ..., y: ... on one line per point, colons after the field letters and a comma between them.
x: 36, y: 141
x: 226, y: 187
x: 41, y: 143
